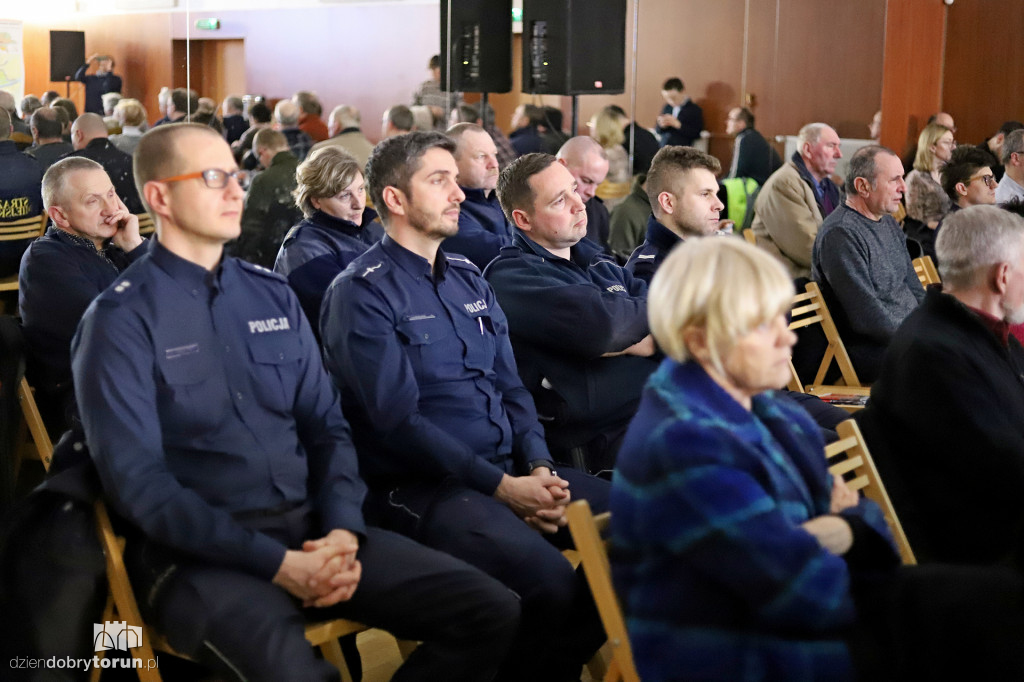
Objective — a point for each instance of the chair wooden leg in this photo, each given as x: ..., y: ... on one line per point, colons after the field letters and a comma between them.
x: 599, y: 664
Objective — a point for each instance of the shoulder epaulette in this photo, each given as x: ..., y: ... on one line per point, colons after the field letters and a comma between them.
x: 260, y: 270
x: 462, y: 262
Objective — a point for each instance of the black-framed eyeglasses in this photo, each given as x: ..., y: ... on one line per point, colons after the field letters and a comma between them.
x: 214, y: 178
x: 989, y: 180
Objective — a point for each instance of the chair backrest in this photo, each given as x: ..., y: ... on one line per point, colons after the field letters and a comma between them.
x: 853, y: 461
x: 809, y: 308
x: 587, y: 530
x: 926, y: 271
x: 24, y: 228
x: 749, y: 236
x: 146, y: 225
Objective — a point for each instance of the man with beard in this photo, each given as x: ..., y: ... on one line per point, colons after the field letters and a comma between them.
x: 448, y: 437
x: 946, y: 417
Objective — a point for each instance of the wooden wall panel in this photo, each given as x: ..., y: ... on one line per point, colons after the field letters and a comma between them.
x: 912, y: 81
x: 139, y: 43
x: 984, y: 66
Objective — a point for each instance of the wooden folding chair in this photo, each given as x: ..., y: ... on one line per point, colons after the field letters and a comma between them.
x: 121, y: 606
x: 858, y: 469
x: 24, y: 228
x: 146, y: 225
x: 809, y: 308
x: 749, y: 235
x: 586, y: 532
x: 33, y: 439
x: 926, y: 271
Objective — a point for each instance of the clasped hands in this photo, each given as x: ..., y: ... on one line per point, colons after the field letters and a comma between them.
x: 539, y: 499
x: 324, y: 572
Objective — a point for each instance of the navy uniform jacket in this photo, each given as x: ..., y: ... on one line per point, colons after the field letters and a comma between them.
x: 598, y: 222
x: 426, y: 371
x: 118, y: 166
x: 203, y: 395
x: 316, y: 250
x: 21, y: 179
x: 647, y: 258
x: 60, y: 275
x: 564, y: 315
x: 483, y: 229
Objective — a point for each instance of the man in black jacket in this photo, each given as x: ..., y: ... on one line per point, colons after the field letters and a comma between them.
x: 946, y: 417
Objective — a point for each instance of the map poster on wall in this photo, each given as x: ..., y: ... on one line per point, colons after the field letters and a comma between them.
x: 12, y: 59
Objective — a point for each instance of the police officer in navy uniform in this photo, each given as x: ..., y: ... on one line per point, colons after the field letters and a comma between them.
x: 218, y: 436
x: 447, y: 435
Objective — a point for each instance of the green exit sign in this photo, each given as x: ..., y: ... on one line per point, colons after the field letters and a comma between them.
x: 517, y: 14
x: 208, y: 24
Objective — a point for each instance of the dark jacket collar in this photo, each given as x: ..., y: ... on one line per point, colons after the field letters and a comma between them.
x: 415, y: 264
x: 192, y: 277
x: 660, y: 236
x: 582, y: 253
x: 326, y: 220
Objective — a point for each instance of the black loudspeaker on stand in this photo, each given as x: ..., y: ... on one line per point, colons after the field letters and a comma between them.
x: 67, y: 53
x: 574, y: 47
x: 479, y: 53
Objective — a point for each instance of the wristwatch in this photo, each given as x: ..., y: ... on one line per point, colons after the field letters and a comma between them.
x: 535, y: 463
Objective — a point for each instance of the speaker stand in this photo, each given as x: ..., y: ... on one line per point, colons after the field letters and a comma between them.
x: 483, y: 110
x: 67, y: 87
x: 574, y: 131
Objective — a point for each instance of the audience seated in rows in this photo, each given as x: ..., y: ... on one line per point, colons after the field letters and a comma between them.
x: 344, y: 128
x: 259, y: 117
x: 525, y: 136
x: 310, y: 111
x: 48, y: 142
x: 1012, y: 185
x: 397, y: 120
x: 627, y: 224
x: 682, y: 188
x: 483, y: 229
x: 587, y: 162
x: 945, y: 422
x: 233, y: 118
x: 643, y: 142
x: 447, y: 436
x: 605, y: 129
x: 860, y: 260
x: 89, y: 138
x: 21, y: 134
x: 336, y: 226
x: 132, y: 116
x: 735, y: 554
x: 577, y: 320
x: 796, y: 199
x: 752, y: 155
x: 993, y: 146
x: 270, y: 209
x: 222, y: 444
x: 92, y: 238
x: 21, y: 179
x: 286, y: 121
x: 471, y: 113
x: 926, y: 201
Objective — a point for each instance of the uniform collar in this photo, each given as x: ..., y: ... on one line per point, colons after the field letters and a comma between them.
x: 660, y: 236
x: 581, y: 253
x: 347, y: 226
x: 193, y: 278
x: 415, y: 264
x: 55, y: 232
x: 477, y: 196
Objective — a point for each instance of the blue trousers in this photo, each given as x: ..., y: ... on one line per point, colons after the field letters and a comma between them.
x: 250, y: 629
x: 560, y: 629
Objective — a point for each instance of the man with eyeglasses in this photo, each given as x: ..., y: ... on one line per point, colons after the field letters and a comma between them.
x: 219, y: 438
x: 860, y: 260
x: 968, y: 178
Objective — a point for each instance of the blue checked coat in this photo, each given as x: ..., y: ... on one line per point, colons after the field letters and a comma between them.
x: 716, y: 576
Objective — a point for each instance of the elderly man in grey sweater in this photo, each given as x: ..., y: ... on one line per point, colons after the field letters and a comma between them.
x: 860, y: 260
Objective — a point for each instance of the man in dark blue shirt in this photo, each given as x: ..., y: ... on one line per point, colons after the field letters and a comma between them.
x: 93, y: 238
x: 483, y: 229
x: 578, y: 321
x: 448, y: 437
x: 218, y: 436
